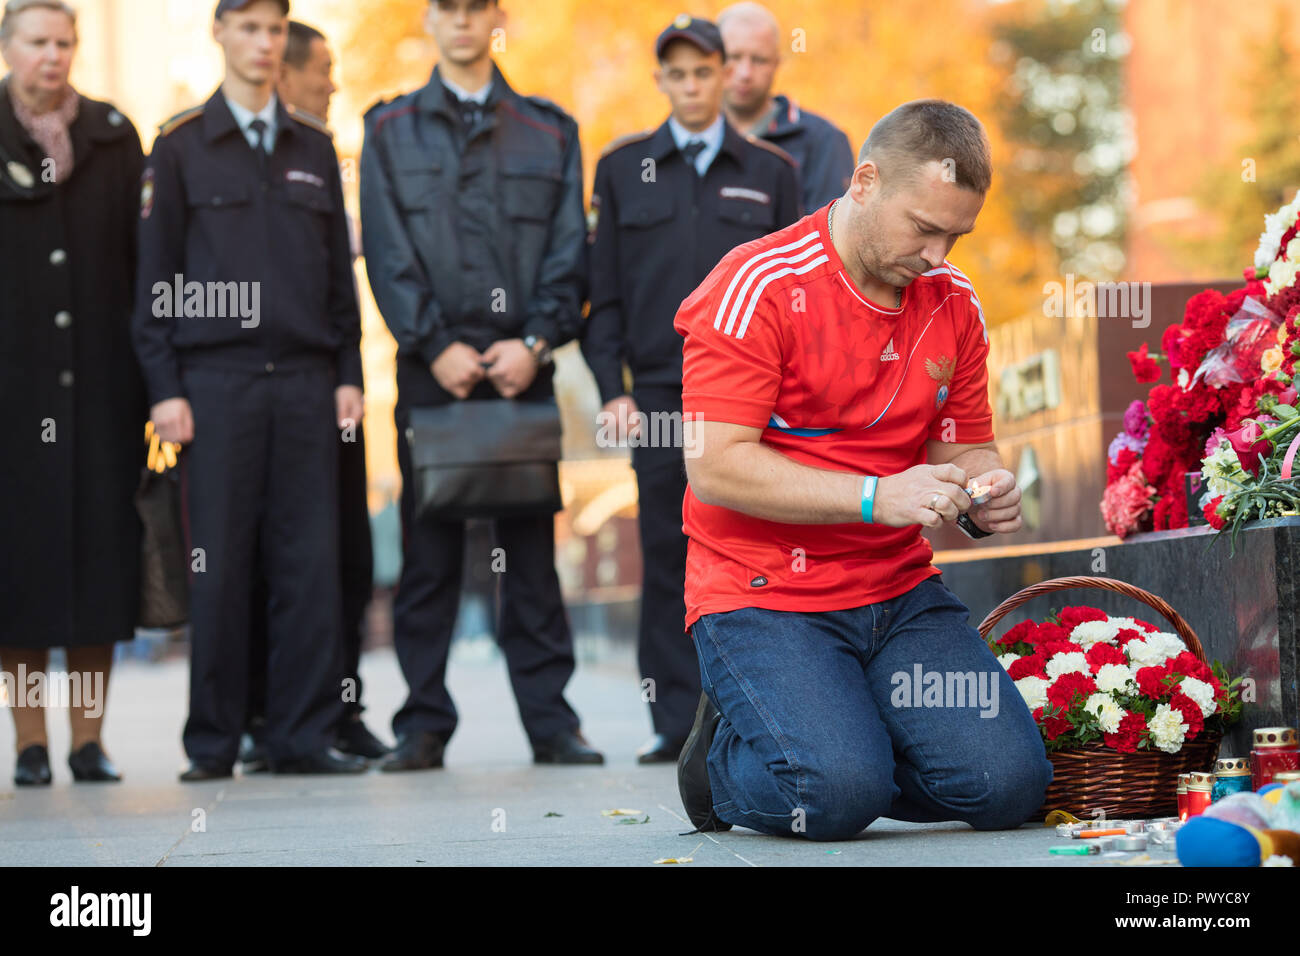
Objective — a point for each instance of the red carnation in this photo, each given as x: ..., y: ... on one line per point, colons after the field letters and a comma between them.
x: 1151, y: 681
x: 1065, y: 688
x: 1186, y: 664
x: 1033, y: 665
x: 1022, y: 632
x: 1059, y: 647
x: 1055, y: 726
x: 1101, y: 654
x: 1050, y: 633
x: 1191, y: 712
x: 1125, y: 635
x: 1145, y: 368
x: 1211, y: 512
x: 1146, y: 626
x: 1072, y: 617
x: 1126, y: 738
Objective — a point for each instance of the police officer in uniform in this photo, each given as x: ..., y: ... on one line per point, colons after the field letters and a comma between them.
x: 247, y: 330
x: 306, y: 86
x: 666, y: 207
x: 472, y: 222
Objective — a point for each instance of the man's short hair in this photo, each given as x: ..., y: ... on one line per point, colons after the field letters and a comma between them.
x: 924, y: 131
x: 297, y: 52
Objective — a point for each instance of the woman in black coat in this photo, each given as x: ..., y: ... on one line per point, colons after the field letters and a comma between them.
x: 69, y: 384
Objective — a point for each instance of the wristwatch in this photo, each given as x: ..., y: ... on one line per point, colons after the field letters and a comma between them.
x: 541, y: 351
x: 970, y: 528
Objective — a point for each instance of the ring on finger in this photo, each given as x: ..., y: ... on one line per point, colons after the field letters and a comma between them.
x: 934, y: 503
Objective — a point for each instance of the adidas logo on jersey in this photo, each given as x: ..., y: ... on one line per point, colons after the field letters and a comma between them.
x: 889, y: 355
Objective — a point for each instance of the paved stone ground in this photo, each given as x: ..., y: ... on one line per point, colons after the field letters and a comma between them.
x: 490, y: 806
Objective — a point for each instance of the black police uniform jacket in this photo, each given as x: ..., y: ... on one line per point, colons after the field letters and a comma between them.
x: 471, y: 234
x: 69, y: 384
x: 819, y: 148
x: 657, y: 230
x: 210, y: 215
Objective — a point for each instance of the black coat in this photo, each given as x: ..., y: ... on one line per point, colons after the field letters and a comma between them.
x: 70, y: 388
x: 471, y: 234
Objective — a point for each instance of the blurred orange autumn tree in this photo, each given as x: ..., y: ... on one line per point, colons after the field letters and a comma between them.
x: 847, y: 60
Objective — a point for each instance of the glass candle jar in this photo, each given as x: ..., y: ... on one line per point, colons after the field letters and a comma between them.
x: 1199, y: 788
x: 1275, y: 749
x: 1231, y: 775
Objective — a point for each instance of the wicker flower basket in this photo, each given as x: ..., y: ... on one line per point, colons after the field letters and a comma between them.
x: 1095, y: 777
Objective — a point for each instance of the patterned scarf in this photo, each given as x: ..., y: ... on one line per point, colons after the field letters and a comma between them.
x: 50, y: 129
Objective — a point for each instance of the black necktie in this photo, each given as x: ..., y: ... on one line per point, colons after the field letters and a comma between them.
x: 691, y: 151
x: 469, y: 113
x: 259, y: 127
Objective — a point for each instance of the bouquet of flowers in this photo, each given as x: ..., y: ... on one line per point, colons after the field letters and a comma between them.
x: 1232, y: 365
x: 1088, y: 678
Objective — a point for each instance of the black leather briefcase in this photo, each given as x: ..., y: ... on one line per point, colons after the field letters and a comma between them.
x: 486, y: 459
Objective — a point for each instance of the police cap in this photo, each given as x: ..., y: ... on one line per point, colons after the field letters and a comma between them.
x: 703, y: 33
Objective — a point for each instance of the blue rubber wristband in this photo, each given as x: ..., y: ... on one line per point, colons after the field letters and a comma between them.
x: 868, y: 497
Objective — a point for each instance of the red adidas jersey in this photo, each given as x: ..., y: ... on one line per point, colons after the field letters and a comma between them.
x: 778, y: 337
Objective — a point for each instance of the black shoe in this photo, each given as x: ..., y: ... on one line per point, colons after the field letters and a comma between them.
x: 33, y: 767
x: 252, y: 755
x: 418, y: 751
x: 198, y: 772
x: 327, y: 761
x: 91, y: 764
x: 566, y: 748
x: 693, y: 770
x: 659, y: 749
x: 355, y: 738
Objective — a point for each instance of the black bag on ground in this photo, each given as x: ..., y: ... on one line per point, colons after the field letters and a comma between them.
x: 486, y: 459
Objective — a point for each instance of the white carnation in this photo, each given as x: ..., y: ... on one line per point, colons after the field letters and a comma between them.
x: 1275, y: 226
x: 1070, y: 663
x: 1167, y: 729
x: 1145, y: 653
x: 1115, y: 677
x: 1089, y: 633
x: 1219, y: 467
x: 1107, y: 712
x: 1006, y: 660
x: 1033, y: 690
x: 1171, y: 645
x: 1201, y: 692
x: 1281, y: 276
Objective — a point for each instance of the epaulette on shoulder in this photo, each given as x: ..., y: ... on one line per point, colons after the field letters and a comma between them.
x: 307, y: 119
x: 180, y: 119
x: 550, y: 105
x: 376, y: 107
x: 626, y: 141
x: 776, y: 150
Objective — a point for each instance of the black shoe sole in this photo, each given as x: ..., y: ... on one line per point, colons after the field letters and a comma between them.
x: 556, y: 761
x: 693, y: 770
x: 204, y: 775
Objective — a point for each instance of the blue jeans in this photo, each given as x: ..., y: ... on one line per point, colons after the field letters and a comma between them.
x: 896, y: 709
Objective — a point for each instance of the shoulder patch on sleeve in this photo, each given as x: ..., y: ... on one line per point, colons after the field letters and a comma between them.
x: 179, y: 120
x: 628, y: 140
x: 306, y: 119
x: 775, y: 150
